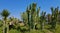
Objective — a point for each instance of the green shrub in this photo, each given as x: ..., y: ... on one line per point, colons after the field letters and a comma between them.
x: 38, y: 26
x: 47, y: 26
x: 34, y: 31
x: 1, y: 29
x: 24, y: 28
x: 14, y: 31
x: 1, y: 24
x: 57, y: 28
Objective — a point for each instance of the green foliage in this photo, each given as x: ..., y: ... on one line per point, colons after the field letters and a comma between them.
x: 57, y: 29
x: 1, y: 29
x: 24, y: 28
x: 14, y: 31
x: 1, y: 24
x: 38, y: 26
x: 5, y: 13
x: 32, y: 21
x: 34, y: 31
x: 24, y: 17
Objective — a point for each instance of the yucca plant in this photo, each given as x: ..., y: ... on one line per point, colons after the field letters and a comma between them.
x: 5, y: 13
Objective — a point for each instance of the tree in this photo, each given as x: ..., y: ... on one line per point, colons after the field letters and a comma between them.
x: 49, y: 18
x: 59, y: 17
x: 42, y: 19
x: 28, y: 15
x: 24, y: 17
x: 38, y: 11
x: 37, y: 18
x: 33, y: 14
x: 5, y: 13
x: 54, y: 17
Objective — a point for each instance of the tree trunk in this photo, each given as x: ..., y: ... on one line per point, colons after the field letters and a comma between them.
x: 3, y: 26
x: 43, y: 26
x: 7, y: 28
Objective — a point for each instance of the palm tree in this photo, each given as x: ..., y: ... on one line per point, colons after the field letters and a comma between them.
x: 5, y: 13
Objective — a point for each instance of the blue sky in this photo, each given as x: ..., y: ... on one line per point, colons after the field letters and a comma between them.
x: 16, y: 7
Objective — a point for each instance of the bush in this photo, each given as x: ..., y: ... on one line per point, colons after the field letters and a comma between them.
x: 1, y: 30
x: 47, y: 26
x: 23, y: 29
x: 38, y: 26
x: 57, y: 28
x: 14, y: 31
x: 1, y: 23
x: 34, y: 31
